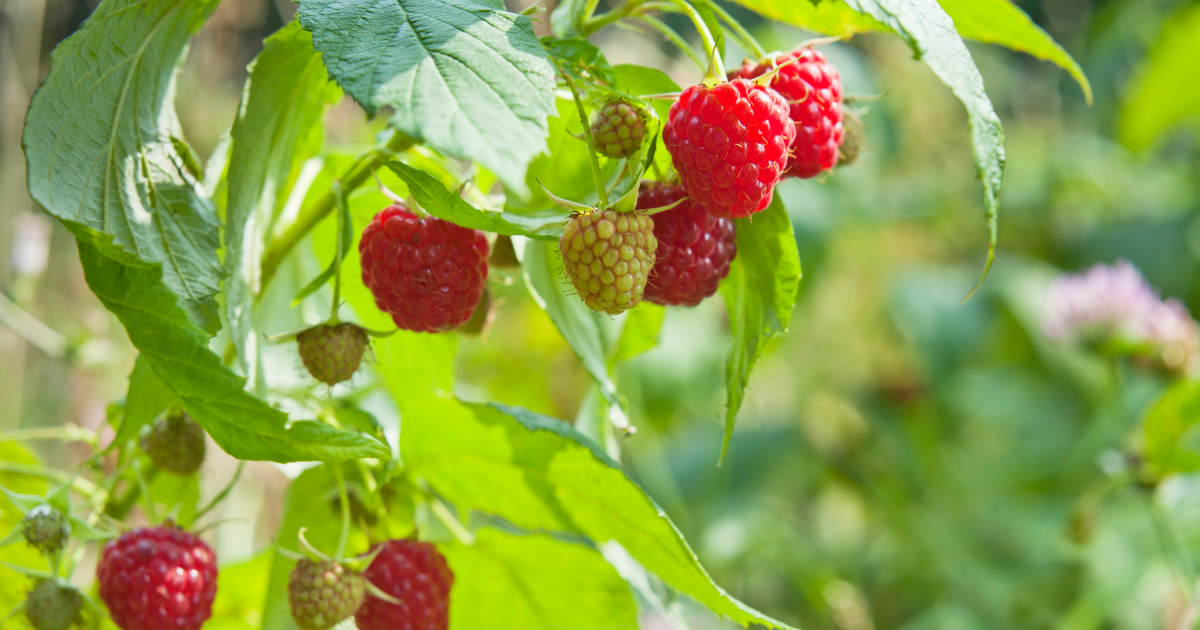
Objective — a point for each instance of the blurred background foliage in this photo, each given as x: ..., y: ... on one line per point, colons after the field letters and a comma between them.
x: 902, y: 460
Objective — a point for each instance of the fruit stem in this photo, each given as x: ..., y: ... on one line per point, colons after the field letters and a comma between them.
x: 460, y: 532
x: 343, y: 217
x: 674, y: 38
x: 310, y: 216
x: 151, y: 508
x: 587, y: 138
x: 739, y: 30
x: 710, y: 44
x: 591, y: 25
x: 344, y: 499
x: 237, y: 474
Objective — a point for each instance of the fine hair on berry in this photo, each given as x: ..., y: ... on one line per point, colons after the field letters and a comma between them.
x: 813, y: 90
x: 730, y: 145
x: 157, y: 577
x: 427, y: 273
x: 694, y: 247
x: 415, y: 574
x: 322, y: 594
x: 332, y: 353
x: 176, y: 444
x: 607, y: 256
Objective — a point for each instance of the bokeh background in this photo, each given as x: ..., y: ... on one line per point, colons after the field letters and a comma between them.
x: 902, y: 460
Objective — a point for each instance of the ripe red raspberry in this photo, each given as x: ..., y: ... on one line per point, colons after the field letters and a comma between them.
x: 158, y: 577
x: 813, y: 90
x: 618, y: 129
x: 416, y: 574
x: 607, y: 256
x: 176, y: 444
x: 694, y: 247
x: 730, y: 145
x: 332, y: 354
x: 428, y: 274
x: 322, y: 594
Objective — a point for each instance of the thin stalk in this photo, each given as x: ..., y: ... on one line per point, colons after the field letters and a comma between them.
x: 80, y: 485
x: 587, y: 138
x: 119, y: 509
x: 68, y: 433
x: 32, y: 329
x: 592, y: 24
x: 710, y: 44
x: 221, y: 496
x: 589, y: 9
x: 310, y: 216
x: 460, y: 532
x: 344, y: 499
x: 340, y: 249
x: 675, y: 38
x: 743, y: 35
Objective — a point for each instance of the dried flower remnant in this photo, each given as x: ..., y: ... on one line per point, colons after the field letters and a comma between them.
x: 1115, y: 303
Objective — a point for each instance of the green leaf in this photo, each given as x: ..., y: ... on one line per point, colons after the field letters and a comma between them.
x: 443, y: 204
x: 177, y: 351
x: 929, y: 32
x: 640, y: 332
x: 1168, y: 424
x: 279, y: 125
x: 992, y: 21
x: 556, y: 472
x: 1003, y: 22
x: 1166, y: 91
x: 100, y: 140
x: 759, y: 293
x: 589, y: 334
x: 243, y: 587
x: 148, y: 396
x: 470, y: 80
x: 535, y: 583
x: 581, y: 59
x: 567, y: 17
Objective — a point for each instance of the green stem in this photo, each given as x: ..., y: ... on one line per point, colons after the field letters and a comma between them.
x: 675, y: 38
x: 710, y: 44
x: 743, y: 35
x: 144, y: 487
x: 342, y: 217
x: 589, y: 9
x: 223, y: 493
x: 587, y: 138
x: 32, y: 329
x: 344, y: 499
x: 460, y: 532
x: 80, y: 485
x: 119, y: 509
x: 310, y: 216
x: 68, y: 433
x: 592, y: 24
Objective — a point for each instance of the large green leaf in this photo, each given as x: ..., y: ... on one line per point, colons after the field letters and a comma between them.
x: 759, y: 293
x: 992, y: 21
x: 146, y: 398
x: 1004, y: 23
x: 176, y: 349
x: 929, y: 32
x: 278, y: 126
x: 1166, y: 90
x: 562, y: 480
x: 535, y: 583
x: 470, y: 80
x: 589, y: 334
x: 105, y: 150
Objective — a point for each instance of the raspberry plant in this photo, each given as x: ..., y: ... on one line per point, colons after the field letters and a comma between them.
x: 199, y: 263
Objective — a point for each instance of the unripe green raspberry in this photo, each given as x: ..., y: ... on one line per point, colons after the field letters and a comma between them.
x: 852, y: 142
x: 45, y: 529
x: 53, y: 606
x: 332, y: 354
x: 176, y: 444
x: 607, y: 256
x: 618, y: 128
x: 322, y: 594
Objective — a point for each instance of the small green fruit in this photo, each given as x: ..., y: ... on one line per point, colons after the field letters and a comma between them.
x: 176, y: 444
x: 607, y: 256
x: 322, y: 594
x: 45, y: 529
x: 332, y: 354
x: 618, y: 129
x: 53, y: 606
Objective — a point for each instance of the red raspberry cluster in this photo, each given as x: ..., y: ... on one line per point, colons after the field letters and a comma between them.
x: 427, y: 273
x: 694, y: 247
x: 158, y: 577
x: 813, y: 90
x: 730, y: 145
x: 415, y: 574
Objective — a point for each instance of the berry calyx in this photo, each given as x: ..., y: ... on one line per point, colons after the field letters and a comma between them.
x: 694, y: 247
x: 428, y: 274
x: 417, y: 576
x: 45, y: 529
x: 730, y: 145
x: 813, y: 90
x: 51, y: 605
x: 618, y: 128
x: 332, y: 353
x: 322, y: 594
x: 175, y: 444
x: 158, y: 577
x: 607, y: 256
